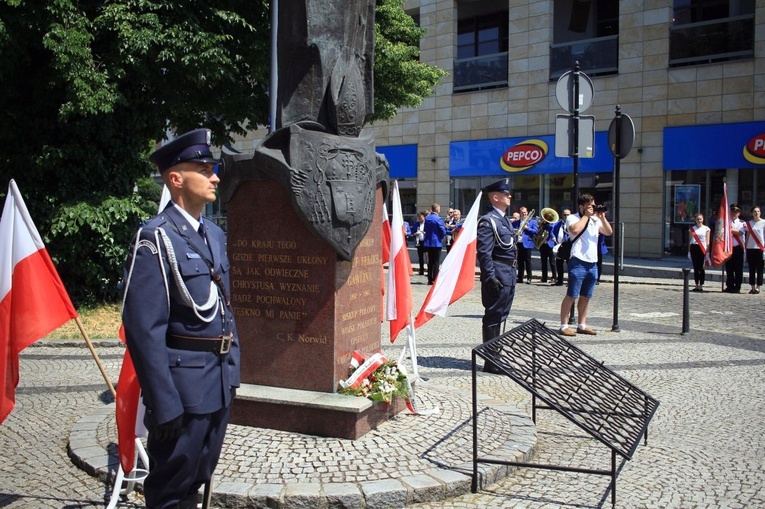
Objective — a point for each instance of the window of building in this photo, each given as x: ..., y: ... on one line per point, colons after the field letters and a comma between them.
x: 482, y: 42
x: 707, y: 31
x: 585, y: 31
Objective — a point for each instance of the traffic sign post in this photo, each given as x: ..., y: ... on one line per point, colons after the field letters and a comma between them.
x: 621, y: 137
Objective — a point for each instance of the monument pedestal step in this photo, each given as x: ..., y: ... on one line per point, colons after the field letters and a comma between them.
x: 308, y: 412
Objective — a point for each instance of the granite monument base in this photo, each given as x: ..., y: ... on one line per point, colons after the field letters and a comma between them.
x: 311, y: 413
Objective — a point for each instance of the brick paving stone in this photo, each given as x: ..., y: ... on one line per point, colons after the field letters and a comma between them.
x: 705, y: 443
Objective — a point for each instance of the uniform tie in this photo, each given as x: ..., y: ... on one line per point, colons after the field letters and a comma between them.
x: 202, y: 231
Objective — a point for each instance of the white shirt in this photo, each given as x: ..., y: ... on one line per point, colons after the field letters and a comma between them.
x: 738, y: 224
x: 758, y: 229
x: 586, y: 246
x: 701, y: 231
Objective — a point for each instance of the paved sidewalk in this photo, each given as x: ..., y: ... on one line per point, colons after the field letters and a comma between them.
x: 705, y: 445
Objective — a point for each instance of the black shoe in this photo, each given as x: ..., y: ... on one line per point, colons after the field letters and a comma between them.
x: 543, y: 280
x: 558, y: 283
x: 528, y: 281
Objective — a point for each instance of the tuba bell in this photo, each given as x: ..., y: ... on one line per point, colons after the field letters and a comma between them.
x: 547, y: 215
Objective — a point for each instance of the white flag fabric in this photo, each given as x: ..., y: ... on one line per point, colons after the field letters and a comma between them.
x: 399, y: 297
x: 457, y: 274
x: 33, y: 300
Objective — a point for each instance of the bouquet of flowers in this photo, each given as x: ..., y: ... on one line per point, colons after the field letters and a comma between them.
x: 377, y: 379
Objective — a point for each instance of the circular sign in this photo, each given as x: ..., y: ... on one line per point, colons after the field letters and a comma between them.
x: 626, y: 136
x: 564, y: 91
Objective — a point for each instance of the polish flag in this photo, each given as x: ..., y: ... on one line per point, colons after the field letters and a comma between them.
x: 385, y: 235
x: 33, y: 300
x: 722, y: 243
x: 399, y: 298
x: 127, y: 403
x: 457, y: 274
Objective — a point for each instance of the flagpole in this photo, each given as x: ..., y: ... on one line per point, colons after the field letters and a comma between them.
x: 95, y: 356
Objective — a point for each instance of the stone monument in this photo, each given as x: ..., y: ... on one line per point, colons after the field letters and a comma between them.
x: 304, y: 234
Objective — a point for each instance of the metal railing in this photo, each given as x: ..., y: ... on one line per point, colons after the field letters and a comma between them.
x: 480, y: 73
x: 596, y: 57
x: 711, y: 41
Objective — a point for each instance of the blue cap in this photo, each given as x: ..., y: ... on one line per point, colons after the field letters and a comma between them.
x: 193, y: 146
x: 498, y: 187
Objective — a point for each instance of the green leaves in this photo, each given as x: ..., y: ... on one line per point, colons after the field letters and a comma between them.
x: 89, y: 241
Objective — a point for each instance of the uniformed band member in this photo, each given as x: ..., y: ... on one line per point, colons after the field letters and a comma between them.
x: 180, y: 327
x: 497, y: 255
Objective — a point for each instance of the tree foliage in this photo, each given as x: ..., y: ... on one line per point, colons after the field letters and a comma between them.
x: 90, y: 86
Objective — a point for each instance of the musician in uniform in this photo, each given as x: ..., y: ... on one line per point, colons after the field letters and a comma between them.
x: 497, y: 256
x: 179, y: 327
x: 526, y: 243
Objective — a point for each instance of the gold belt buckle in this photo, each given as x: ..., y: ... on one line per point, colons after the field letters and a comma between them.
x: 225, y: 344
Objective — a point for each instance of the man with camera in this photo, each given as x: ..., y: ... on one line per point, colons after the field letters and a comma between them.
x: 583, y: 228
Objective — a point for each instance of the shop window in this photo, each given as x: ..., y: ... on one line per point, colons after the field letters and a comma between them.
x: 585, y: 31
x: 482, y: 42
x: 707, y: 31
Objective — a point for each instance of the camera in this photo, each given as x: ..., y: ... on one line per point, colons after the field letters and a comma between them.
x: 601, y: 208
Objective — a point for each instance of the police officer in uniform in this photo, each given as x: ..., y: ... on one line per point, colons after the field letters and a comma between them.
x: 497, y: 257
x: 179, y: 327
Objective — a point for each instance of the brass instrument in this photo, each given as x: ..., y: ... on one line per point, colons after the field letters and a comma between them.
x: 529, y: 217
x: 548, y: 215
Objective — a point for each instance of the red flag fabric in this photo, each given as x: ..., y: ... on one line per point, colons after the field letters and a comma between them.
x: 33, y: 300
x: 457, y: 274
x: 722, y: 243
x: 128, y: 396
x: 385, y: 235
x: 399, y: 297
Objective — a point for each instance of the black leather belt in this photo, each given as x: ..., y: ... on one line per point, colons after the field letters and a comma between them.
x: 220, y: 345
x: 511, y: 263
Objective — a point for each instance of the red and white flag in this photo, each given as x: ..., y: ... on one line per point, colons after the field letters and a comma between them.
x: 722, y: 243
x: 129, y: 412
x: 457, y: 274
x: 385, y: 235
x: 399, y: 298
x: 33, y: 300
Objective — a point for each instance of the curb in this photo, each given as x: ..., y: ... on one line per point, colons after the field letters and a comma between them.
x: 435, y: 484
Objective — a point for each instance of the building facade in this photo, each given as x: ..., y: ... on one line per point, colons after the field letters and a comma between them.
x: 689, y: 73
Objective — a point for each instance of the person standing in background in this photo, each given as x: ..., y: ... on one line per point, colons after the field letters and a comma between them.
x: 434, y: 232
x: 583, y: 228
x: 419, y: 240
x: 546, y: 254
x: 755, y: 249
x: 560, y: 235
x: 526, y: 244
x: 453, y: 224
x: 734, y: 266
x: 698, y: 248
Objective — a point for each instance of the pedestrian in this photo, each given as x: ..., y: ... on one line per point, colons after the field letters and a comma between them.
x: 602, y: 249
x: 419, y: 240
x: 698, y: 250
x: 560, y: 235
x: 734, y: 266
x: 434, y: 232
x: 755, y: 249
x: 496, y: 249
x: 526, y: 243
x: 453, y: 225
x: 546, y: 254
x: 583, y: 228
x: 180, y: 328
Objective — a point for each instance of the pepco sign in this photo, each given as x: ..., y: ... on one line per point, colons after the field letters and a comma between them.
x: 754, y: 151
x: 524, y: 155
